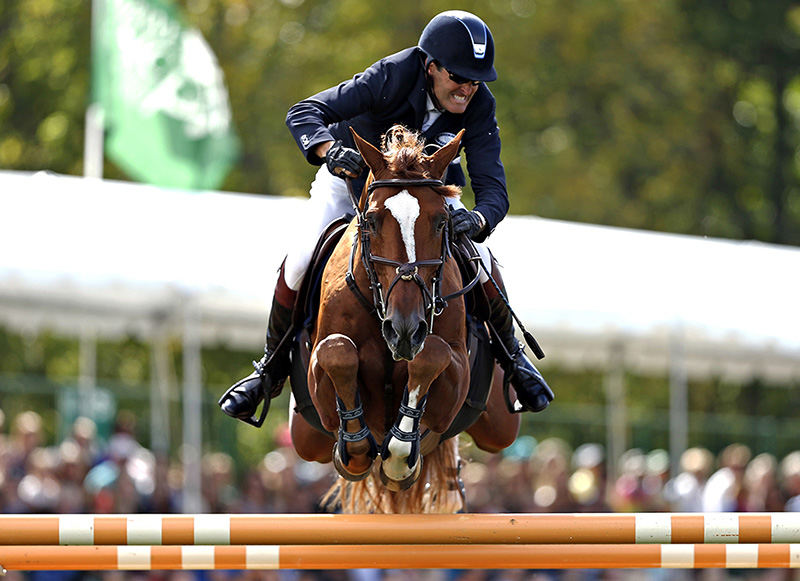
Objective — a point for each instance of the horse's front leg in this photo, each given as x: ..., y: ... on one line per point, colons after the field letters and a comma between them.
x: 335, y: 360
x: 401, y: 462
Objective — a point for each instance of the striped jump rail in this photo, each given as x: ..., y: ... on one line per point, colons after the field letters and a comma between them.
x: 433, y: 529
x: 480, y: 556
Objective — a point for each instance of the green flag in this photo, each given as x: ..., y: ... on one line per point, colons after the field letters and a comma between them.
x: 164, y: 101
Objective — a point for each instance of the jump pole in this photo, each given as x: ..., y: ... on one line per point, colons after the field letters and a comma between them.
x: 395, y: 529
x: 481, y: 556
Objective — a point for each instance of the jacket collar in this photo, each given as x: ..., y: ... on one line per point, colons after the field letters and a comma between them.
x: 418, y: 95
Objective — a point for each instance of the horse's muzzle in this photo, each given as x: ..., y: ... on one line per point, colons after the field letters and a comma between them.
x: 405, y: 336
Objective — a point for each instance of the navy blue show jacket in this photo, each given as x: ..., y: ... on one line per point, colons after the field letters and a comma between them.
x: 391, y: 91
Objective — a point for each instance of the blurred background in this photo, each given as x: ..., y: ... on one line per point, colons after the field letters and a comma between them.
x: 652, y: 152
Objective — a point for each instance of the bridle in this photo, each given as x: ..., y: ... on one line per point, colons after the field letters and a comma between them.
x: 432, y: 297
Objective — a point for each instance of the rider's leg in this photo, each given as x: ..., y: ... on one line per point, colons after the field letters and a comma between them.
x: 243, y: 398
x: 532, y: 390
x: 329, y: 200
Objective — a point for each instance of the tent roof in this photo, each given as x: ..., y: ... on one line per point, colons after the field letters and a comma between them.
x: 85, y: 255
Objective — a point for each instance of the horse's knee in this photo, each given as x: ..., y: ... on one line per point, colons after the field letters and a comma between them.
x: 432, y: 360
x: 337, y: 355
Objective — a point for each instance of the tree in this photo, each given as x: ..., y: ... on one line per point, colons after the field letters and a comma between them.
x: 754, y: 49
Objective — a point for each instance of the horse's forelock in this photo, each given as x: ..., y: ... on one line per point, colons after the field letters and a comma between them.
x: 404, y: 151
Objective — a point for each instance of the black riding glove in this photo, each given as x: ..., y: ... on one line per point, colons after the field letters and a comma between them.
x: 466, y: 222
x: 343, y: 161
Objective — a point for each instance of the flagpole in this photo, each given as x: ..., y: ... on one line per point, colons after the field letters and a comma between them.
x: 93, y: 139
x: 93, y: 142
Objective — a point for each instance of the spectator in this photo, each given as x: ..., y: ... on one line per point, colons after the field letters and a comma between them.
x: 629, y: 494
x: 761, y: 490
x: 551, y: 475
x: 587, y: 484
x: 656, y: 467
x: 724, y: 490
x: 790, y: 472
x: 684, y: 493
x: 219, y: 490
x: 26, y: 436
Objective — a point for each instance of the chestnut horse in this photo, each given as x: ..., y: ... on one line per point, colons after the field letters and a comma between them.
x: 389, y: 367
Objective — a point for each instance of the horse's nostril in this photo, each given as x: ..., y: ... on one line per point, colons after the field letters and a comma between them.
x: 389, y: 332
x: 421, y: 333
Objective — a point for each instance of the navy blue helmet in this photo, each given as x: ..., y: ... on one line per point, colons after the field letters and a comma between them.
x: 462, y: 43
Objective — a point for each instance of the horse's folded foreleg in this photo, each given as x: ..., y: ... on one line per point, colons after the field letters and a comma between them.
x: 355, y: 448
x: 401, y: 462
x: 400, y: 458
x: 349, y: 443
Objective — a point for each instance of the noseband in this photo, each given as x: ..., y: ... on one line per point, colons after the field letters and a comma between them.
x: 435, y: 303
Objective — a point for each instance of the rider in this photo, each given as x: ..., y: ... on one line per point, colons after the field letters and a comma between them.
x: 437, y: 87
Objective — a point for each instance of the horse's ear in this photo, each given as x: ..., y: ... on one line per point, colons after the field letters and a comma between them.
x: 371, y: 154
x: 442, y: 158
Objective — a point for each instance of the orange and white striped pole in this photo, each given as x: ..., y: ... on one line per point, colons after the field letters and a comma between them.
x: 481, y: 556
x: 339, y: 529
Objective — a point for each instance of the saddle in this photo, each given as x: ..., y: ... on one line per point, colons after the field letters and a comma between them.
x: 306, y: 306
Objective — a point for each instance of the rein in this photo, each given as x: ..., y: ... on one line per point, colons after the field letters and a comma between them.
x: 435, y: 303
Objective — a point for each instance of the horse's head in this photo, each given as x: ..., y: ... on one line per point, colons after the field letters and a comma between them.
x: 404, y: 227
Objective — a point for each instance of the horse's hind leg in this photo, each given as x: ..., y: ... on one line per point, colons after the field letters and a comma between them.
x: 310, y: 444
x: 496, y: 428
x: 335, y: 359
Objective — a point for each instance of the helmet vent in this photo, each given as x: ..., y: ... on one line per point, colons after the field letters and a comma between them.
x: 476, y: 30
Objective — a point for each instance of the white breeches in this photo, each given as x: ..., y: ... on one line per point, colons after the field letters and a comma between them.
x: 329, y: 200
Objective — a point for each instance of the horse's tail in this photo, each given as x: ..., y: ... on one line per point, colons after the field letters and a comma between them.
x: 438, y: 490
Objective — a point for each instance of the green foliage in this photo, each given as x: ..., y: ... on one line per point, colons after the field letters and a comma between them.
x: 676, y: 115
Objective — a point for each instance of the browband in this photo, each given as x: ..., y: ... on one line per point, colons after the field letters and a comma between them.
x: 400, y: 182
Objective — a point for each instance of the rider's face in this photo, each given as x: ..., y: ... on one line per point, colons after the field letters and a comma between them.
x: 454, y: 97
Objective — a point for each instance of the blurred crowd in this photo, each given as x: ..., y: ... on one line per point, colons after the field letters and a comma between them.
x: 83, y: 474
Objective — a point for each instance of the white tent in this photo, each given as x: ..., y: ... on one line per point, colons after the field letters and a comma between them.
x: 120, y: 257
x: 99, y: 258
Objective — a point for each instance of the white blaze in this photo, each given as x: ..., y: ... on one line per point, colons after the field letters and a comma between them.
x: 405, y: 209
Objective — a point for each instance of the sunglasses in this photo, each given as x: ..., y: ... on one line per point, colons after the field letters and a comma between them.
x: 459, y: 80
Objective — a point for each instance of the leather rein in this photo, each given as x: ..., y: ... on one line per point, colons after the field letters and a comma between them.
x: 435, y: 303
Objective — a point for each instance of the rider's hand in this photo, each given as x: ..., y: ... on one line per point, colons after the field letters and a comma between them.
x: 466, y: 222
x: 343, y: 161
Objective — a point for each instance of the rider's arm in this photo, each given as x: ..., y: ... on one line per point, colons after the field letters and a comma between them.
x: 321, y: 149
x: 486, y: 173
x: 309, y: 119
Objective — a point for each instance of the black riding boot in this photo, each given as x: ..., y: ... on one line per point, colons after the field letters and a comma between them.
x: 241, y: 400
x: 532, y: 390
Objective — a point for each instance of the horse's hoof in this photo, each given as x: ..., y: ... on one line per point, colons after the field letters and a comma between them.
x: 405, y: 483
x: 343, y: 472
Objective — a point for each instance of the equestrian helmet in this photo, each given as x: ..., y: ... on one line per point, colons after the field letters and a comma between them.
x: 462, y: 43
